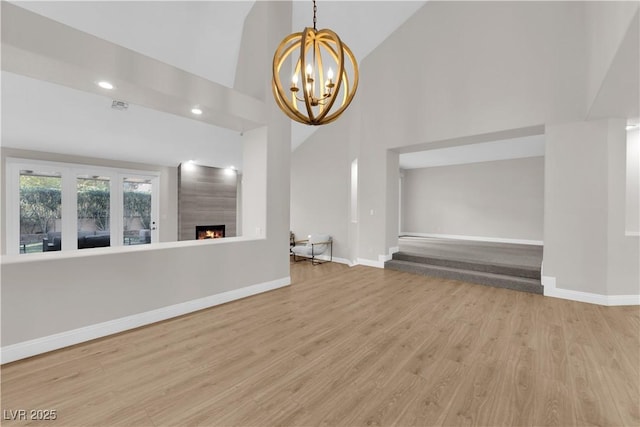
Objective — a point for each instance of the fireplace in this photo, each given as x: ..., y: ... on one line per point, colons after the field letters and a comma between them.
x: 209, y: 232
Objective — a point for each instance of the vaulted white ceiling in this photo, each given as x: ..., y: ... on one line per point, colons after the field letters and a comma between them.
x: 200, y: 37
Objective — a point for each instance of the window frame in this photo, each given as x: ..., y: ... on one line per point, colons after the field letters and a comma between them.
x: 69, y: 173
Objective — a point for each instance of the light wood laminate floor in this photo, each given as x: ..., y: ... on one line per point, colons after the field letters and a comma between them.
x: 351, y: 346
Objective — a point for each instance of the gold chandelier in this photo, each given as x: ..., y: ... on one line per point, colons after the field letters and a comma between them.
x: 312, y: 101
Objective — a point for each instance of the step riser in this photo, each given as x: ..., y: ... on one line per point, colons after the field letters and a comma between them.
x: 466, y: 265
x: 467, y: 276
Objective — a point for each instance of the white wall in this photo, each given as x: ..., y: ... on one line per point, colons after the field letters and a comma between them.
x: 321, y: 187
x: 586, y: 249
x: 392, y: 212
x: 633, y: 182
x: 575, y: 223
x: 254, y: 190
x: 623, y: 251
x: 59, y: 293
x: 474, y: 68
x: 606, y: 26
x: 499, y: 199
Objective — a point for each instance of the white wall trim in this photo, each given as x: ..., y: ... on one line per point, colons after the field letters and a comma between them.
x: 36, y: 346
x: 384, y: 258
x: 547, y: 281
x: 550, y: 290
x: 371, y: 263
x: 389, y: 256
x: 381, y: 259
x: 475, y: 238
x: 615, y: 300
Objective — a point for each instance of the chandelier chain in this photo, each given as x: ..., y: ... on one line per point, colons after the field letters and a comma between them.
x: 315, y: 9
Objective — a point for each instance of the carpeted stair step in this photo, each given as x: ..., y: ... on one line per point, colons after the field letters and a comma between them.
x: 484, y: 278
x: 459, y: 264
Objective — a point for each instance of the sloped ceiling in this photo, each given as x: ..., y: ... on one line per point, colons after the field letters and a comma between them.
x: 619, y: 93
x: 201, y: 38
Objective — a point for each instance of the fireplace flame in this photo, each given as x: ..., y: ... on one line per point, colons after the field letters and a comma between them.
x: 209, y: 232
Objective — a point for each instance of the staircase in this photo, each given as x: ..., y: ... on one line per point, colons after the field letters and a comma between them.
x: 519, y: 278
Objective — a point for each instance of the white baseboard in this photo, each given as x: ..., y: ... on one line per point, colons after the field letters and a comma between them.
x: 550, y: 290
x: 371, y: 263
x: 547, y: 281
x: 389, y: 256
x: 343, y: 261
x: 615, y: 300
x: 384, y: 258
x: 381, y: 259
x: 475, y: 238
x: 335, y: 259
x: 36, y: 346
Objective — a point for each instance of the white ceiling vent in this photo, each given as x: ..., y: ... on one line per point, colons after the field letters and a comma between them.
x: 119, y: 105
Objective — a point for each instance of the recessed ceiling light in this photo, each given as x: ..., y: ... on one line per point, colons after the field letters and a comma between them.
x: 105, y: 85
x: 189, y: 165
x: 197, y: 111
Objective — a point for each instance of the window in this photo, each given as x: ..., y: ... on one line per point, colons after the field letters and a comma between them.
x: 58, y: 207
x: 94, y: 211
x: 40, y: 210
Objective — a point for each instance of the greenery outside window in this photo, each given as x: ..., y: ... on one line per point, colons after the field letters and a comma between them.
x: 94, y: 219
x: 40, y: 209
